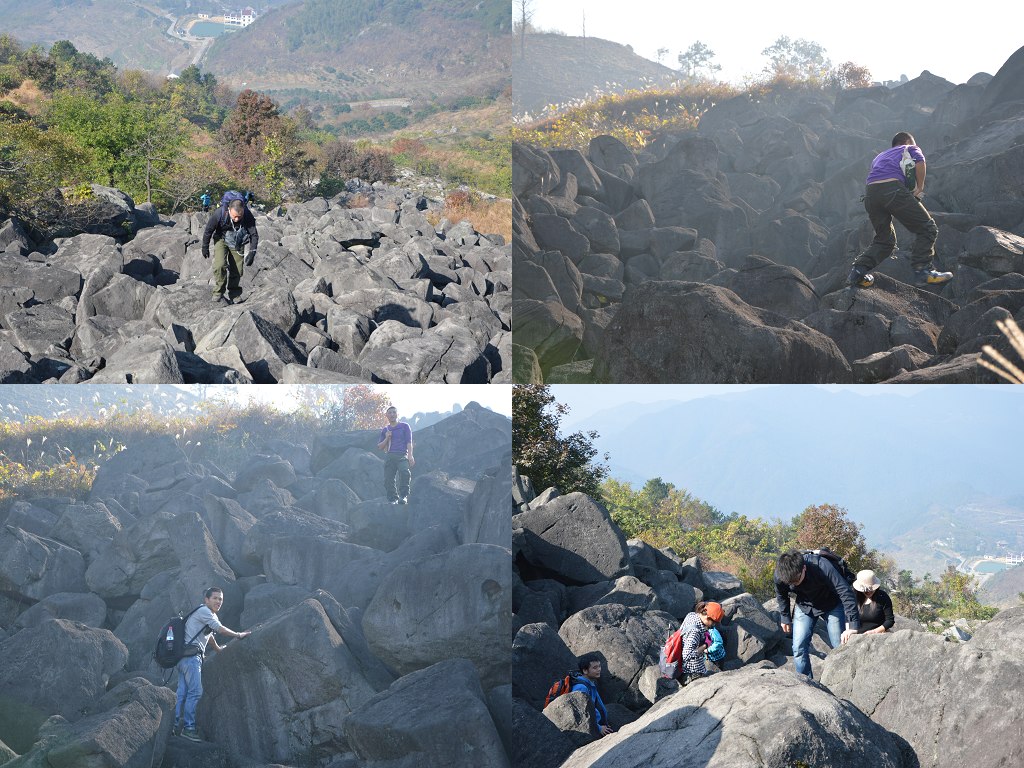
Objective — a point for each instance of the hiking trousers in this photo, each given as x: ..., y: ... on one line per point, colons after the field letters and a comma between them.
x: 397, y: 476
x: 227, y: 270
x: 890, y: 200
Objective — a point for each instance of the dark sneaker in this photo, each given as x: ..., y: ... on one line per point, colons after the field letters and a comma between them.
x: 931, y: 276
x: 395, y: 501
x: 860, y: 277
x: 220, y: 300
x: 176, y: 730
x: 191, y: 734
x: 404, y: 500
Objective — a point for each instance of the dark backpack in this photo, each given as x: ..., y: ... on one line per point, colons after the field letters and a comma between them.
x: 837, y: 562
x: 170, y: 645
x: 230, y: 195
x: 560, y: 686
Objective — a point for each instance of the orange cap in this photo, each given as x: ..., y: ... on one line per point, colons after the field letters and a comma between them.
x: 714, y: 611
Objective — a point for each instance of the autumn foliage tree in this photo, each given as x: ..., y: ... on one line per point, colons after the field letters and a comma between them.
x: 354, y: 407
x: 827, y: 525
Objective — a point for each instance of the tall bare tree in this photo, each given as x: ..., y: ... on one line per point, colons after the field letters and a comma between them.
x: 525, y: 9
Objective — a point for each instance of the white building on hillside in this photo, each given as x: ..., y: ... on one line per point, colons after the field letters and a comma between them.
x: 242, y: 18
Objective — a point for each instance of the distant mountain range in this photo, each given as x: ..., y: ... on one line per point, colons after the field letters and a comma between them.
x: 560, y: 68
x: 373, y: 49
x: 408, y: 56
x: 940, y: 464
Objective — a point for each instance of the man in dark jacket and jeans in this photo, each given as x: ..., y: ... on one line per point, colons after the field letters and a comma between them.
x: 821, y: 591
x: 235, y: 238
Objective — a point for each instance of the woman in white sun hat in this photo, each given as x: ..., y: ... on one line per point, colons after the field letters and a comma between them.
x: 874, y: 604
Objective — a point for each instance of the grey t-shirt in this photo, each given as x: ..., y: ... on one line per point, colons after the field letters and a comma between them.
x: 195, y: 623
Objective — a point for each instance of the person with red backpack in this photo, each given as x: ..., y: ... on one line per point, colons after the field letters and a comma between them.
x: 233, y: 230
x: 694, y: 641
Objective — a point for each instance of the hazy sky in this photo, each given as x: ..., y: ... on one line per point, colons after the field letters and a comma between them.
x: 954, y: 40
x: 588, y: 399
x: 407, y: 398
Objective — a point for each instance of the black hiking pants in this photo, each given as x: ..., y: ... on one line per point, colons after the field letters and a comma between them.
x: 890, y: 200
x: 396, y: 467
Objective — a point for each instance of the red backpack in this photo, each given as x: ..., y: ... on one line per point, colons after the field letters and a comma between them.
x: 560, y: 686
x: 671, y: 654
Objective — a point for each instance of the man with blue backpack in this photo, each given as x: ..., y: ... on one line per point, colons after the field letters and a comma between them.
x: 232, y: 227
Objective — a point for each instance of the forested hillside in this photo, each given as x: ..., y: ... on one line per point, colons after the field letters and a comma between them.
x: 69, y: 119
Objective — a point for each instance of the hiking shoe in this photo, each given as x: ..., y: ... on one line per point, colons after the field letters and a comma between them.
x: 395, y: 501
x: 404, y: 500
x: 176, y: 730
x: 220, y: 300
x: 931, y: 276
x: 860, y: 277
x: 191, y: 734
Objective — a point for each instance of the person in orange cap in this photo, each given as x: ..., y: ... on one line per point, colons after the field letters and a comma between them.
x: 695, y: 639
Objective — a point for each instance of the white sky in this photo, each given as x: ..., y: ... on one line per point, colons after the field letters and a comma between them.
x: 407, y: 398
x: 951, y: 39
x: 587, y: 399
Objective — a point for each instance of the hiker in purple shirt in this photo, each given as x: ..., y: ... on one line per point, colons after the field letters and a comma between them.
x: 889, y: 196
x: 396, y: 442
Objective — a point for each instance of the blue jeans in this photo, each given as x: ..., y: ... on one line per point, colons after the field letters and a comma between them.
x: 190, y: 689
x: 803, y: 629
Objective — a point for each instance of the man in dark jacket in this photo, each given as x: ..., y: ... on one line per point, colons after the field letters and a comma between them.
x: 235, y: 238
x: 821, y: 591
x: 586, y: 681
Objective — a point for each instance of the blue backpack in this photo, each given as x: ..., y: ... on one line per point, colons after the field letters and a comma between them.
x: 230, y: 195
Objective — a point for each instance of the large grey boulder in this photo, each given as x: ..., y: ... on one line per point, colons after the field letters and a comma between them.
x: 300, y: 675
x: 675, y: 332
x: 539, y: 657
x: 33, y: 567
x: 536, y: 741
x: 629, y: 639
x: 434, y: 718
x: 56, y: 668
x: 129, y: 727
x: 80, y: 607
x: 456, y: 604
x: 752, y: 717
x: 574, y: 537
x: 885, y: 675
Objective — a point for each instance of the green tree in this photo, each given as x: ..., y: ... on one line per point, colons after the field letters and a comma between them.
x: 697, y: 60
x: 128, y: 143
x: 797, y: 59
x: 32, y: 163
x: 542, y: 454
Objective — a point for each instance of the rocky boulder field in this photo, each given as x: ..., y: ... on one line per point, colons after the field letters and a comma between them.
x: 905, y: 699
x: 720, y: 254
x: 379, y: 632
x: 336, y: 294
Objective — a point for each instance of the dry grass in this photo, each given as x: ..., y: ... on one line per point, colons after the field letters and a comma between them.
x: 28, y: 97
x: 489, y: 217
